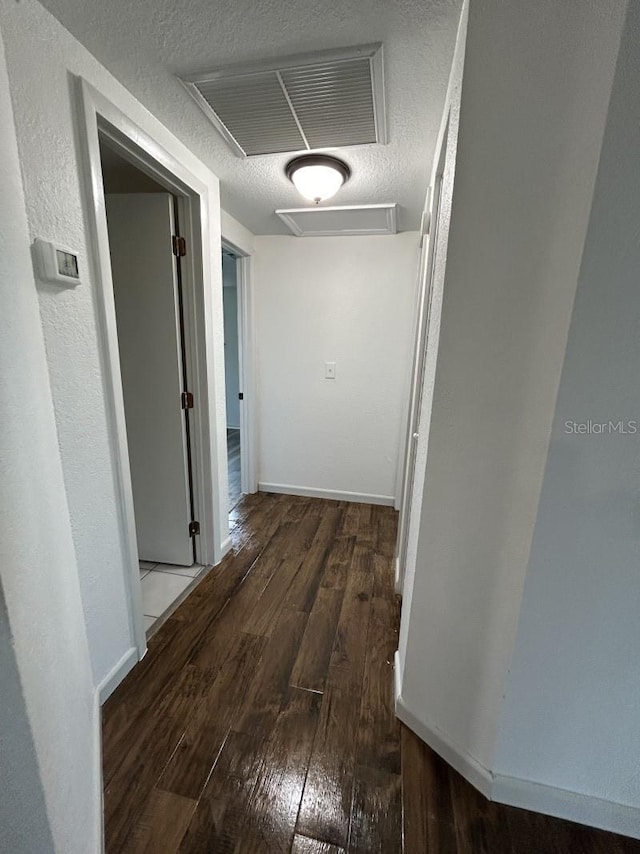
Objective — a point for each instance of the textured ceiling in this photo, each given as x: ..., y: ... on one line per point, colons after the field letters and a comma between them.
x: 147, y: 42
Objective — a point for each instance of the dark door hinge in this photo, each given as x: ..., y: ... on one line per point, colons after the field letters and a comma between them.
x: 187, y: 400
x: 240, y: 396
x: 179, y: 246
x: 194, y: 528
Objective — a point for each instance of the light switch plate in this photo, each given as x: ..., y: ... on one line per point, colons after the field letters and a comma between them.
x: 329, y: 370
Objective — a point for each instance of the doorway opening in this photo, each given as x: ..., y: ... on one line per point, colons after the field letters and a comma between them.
x: 232, y: 361
x: 146, y: 252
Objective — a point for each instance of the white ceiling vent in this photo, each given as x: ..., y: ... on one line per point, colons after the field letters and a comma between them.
x: 343, y: 220
x: 322, y: 100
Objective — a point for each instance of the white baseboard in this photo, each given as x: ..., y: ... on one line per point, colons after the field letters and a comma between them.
x: 225, y: 547
x: 98, y: 797
x: 567, y: 804
x: 517, y: 792
x: 335, y: 494
x: 397, y: 675
x: 464, y: 763
x: 397, y: 584
x: 117, y: 674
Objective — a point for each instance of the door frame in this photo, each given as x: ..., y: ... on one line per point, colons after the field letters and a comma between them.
x: 246, y: 361
x: 166, y: 160
x: 428, y: 252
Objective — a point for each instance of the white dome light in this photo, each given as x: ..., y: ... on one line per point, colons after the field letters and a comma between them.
x: 317, y: 177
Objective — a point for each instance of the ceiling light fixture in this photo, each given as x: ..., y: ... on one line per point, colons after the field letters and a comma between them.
x: 317, y: 177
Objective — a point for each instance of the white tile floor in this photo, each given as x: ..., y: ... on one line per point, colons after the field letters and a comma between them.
x: 162, y: 585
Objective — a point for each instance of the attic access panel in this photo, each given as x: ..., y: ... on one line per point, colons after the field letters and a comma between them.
x: 340, y: 220
x: 300, y: 103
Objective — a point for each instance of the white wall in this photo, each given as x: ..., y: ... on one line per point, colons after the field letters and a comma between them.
x: 570, y: 717
x: 231, y: 360
x: 42, y: 57
x: 49, y: 744
x: 346, y: 300
x: 535, y: 93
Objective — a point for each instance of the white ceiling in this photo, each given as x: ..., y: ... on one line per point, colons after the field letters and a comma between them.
x: 147, y: 42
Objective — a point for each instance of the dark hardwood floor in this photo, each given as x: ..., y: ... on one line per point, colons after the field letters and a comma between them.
x: 261, y: 719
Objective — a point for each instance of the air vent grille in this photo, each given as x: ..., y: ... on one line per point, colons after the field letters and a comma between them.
x: 333, y: 102
x: 302, y: 103
x: 256, y: 108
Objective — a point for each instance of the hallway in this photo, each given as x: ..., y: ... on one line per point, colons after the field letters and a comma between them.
x: 261, y: 719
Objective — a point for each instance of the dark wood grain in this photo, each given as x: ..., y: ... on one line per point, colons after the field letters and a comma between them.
x: 314, y: 653
x: 262, y: 717
x: 265, y: 696
x: 264, y: 616
x: 383, y: 579
x: 302, y: 592
x: 379, y: 729
x: 275, y: 799
x: 376, y: 812
x: 141, y: 764
x: 429, y: 823
x: 326, y: 802
x: 305, y: 845
x: 162, y: 824
x: 189, y: 767
x: 385, y: 526
x: 338, y: 563
x: 220, y: 817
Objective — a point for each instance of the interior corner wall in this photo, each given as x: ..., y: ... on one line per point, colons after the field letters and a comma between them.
x: 535, y: 93
x: 43, y: 59
x: 346, y: 300
x: 50, y: 796
x: 570, y: 716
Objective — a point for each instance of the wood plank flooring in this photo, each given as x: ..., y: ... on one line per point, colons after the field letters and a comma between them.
x: 261, y: 719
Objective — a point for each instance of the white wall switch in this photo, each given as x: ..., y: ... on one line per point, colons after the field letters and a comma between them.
x: 329, y: 370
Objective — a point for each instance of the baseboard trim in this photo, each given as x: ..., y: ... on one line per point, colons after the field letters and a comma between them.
x: 517, y: 792
x: 566, y: 804
x: 98, y: 776
x: 397, y: 583
x: 335, y: 494
x: 397, y: 675
x: 464, y: 764
x: 117, y: 674
x: 225, y: 548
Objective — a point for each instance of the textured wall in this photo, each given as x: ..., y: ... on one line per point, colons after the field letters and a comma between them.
x: 41, y: 57
x: 346, y: 300
x: 570, y: 717
x: 535, y: 94
x: 49, y: 747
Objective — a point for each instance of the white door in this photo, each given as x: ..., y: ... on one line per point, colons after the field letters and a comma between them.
x: 145, y: 284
